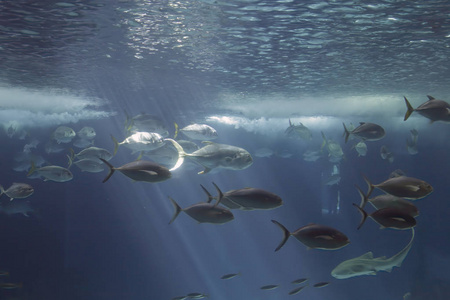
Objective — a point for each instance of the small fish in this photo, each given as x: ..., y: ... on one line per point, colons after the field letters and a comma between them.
x: 82, y: 143
x: 311, y: 155
x: 386, y: 154
x: 204, y: 212
x: 17, y: 190
x: 10, y: 285
x: 366, y: 132
x: 433, y: 109
x: 21, y: 206
x: 230, y: 276
x: 332, y: 180
x: 269, y: 287
x: 315, y: 236
x: 140, y: 141
x: 196, y: 295
x: 298, y: 131
x: 52, y: 173
x: 87, y: 133
x: 92, y: 153
x: 321, y: 284
x: 297, y: 290
x: 299, y: 281
x: 140, y: 170
x: 180, y: 298
x: 63, y: 134
x: 402, y: 186
x: 411, y: 145
x: 361, y: 148
x: 335, y: 153
x: 388, y: 217
x: 201, y: 132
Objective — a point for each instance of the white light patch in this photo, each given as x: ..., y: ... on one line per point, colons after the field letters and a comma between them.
x: 38, y: 108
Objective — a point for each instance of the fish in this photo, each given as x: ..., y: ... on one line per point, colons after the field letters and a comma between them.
x: 402, y: 186
x: 89, y: 165
x: 366, y: 264
x: 411, y: 145
x: 321, y: 284
x: 204, y: 212
x: 251, y: 198
x: 332, y: 180
x: 63, y: 134
x: 188, y: 146
x: 92, y: 153
x: 269, y: 287
x: 215, y: 155
x: 386, y: 154
x: 17, y: 190
x: 388, y: 217
x: 140, y: 141
x: 145, y: 123
x: 224, y: 201
x: 297, y: 290
x: 52, y: 173
x: 335, y: 153
x: 361, y: 148
x: 197, y: 296
x: 82, y: 143
x: 315, y: 236
x: 201, y: 132
x: 299, y: 281
x: 298, y: 131
x: 366, y: 132
x: 230, y: 276
x: 166, y: 155
x: 180, y: 298
x: 86, y: 133
x: 10, y: 285
x: 311, y: 155
x: 387, y: 200
x: 433, y: 109
x: 21, y: 206
x: 140, y: 170
x: 53, y: 147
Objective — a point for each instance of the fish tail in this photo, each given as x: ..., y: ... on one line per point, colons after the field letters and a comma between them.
x: 181, y: 154
x: 364, y: 215
x: 346, y: 132
x: 409, y: 110
x: 178, y: 209
x: 220, y: 194
x: 364, y: 198
x: 369, y: 185
x: 176, y: 130
x: 32, y: 169
x: 290, y: 123
x: 111, y: 169
x: 70, y: 161
x: 2, y: 190
x: 210, y: 197
x: 286, y: 235
x: 116, y: 144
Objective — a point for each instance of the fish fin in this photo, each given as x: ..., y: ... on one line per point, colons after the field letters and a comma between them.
x: 176, y: 130
x: 69, y: 164
x: 369, y: 185
x: 32, y: 169
x: 364, y: 215
x: 389, y: 270
x: 324, y: 237
x: 346, y: 133
x: 178, y: 209
x: 430, y: 98
x: 2, y: 190
x: 286, y: 235
x: 324, y: 141
x: 11, y: 199
x: 206, y: 170
x: 220, y: 194
x: 210, y: 197
x: 181, y: 154
x: 409, y: 110
x: 111, y: 169
x: 140, y: 156
x: 116, y: 145
x: 368, y: 255
x: 364, y: 198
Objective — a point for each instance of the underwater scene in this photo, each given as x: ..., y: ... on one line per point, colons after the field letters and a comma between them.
x: 239, y: 149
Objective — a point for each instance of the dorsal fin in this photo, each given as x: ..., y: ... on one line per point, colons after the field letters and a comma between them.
x: 367, y: 255
x: 430, y: 98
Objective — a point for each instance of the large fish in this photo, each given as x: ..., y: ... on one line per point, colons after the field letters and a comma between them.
x: 366, y: 264
x: 402, y: 186
x: 52, y: 173
x: 315, y: 236
x: 250, y: 198
x: 433, y: 109
x: 204, y: 212
x: 140, y: 170
x: 17, y: 190
x: 366, y: 132
x: 214, y: 156
x: 388, y: 217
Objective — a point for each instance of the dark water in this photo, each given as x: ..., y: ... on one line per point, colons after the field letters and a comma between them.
x: 245, y: 68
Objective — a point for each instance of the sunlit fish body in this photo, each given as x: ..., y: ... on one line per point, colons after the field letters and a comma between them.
x: 140, y: 170
x: 315, y: 236
x: 366, y: 264
x: 335, y: 153
x: 402, y: 186
x: 141, y: 141
x: 298, y: 131
x: 200, y: 132
x: 230, y: 276
x: 166, y: 155
x: 388, y: 217
x: 21, y: 206
x: 223, y: 156
x: 433, y: 109
x: 86, y: 133
x: 204, y: 212
x: 361, y: 148
x: 17, y: 190
x: 366, y: 132
x: 93, y: 153
x: 251, y: 198
x: 63, y: 134
x: 146, y: 123
x: 90, y: 165
x: 52, y: 173
x: 188, y: 146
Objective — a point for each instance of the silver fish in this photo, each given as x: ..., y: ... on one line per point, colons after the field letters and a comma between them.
x: 89, y: 165
x: 433, y: 109
x: 361, y: 148
x: 146, y: 123
x: 201, y: 132
x: 402, y: 186
x: 87, y: 133
x: 298, y: 131
x: 52, y: 173
x: 17, y: 190
x: 63, y: 134
x: 140, y: 141
x: 93, y: 153
x: 269, y: 287
x: 230, y: 276
x: 297, y: 290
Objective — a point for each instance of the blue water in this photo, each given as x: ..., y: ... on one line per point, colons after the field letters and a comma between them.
x: 245, y: 68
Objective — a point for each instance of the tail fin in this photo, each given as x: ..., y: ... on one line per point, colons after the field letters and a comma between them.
x: 2, y: 190
x: 116, y: 144
x: 32, y: 169
x: 324, y: 141
x: 176, y: 130
x: 286, y: 235
x: 369, y: 185
x: 364, y: 215
x: 178, y: 209
x: 346, y: 133
x: 364, y: 198
x: 111, y: 169
x: 220, y: 194
x: 181, y: 154
x: 70, y: 161
x: 210, y: 197
x: 410, y: 109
